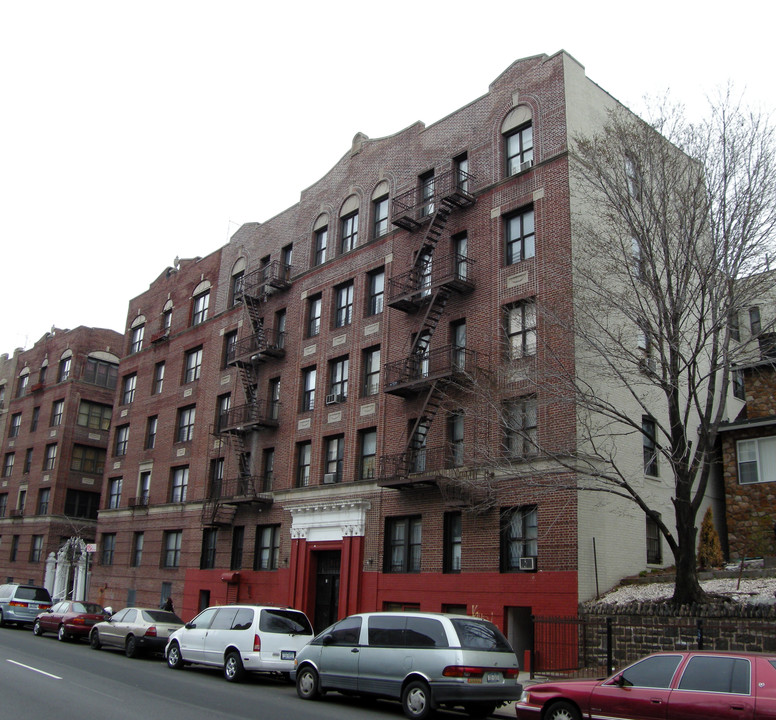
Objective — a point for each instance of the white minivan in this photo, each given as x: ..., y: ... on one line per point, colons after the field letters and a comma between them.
x: 240, y: 639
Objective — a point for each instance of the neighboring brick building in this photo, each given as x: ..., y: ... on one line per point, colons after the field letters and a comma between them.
x: 314, y: 440
x: 59, y: 402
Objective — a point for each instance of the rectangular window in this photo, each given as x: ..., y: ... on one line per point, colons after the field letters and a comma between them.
x: 427, y: 194
x: 462, y: 172
x: 335, y: 451
x: 267, y: 549
x: 756, y: 460
x: 82, y: 504
x: 236, y: 556
x: 114, y: 492
x: 122, y: 440
x: 268, y: 472
x: 519, y: 149
x: 193, y: 365
x: 230, y: 348
x: 44, y: 496
x: 755, y: 326
x: 88, y: 459
x: 321, y: 241
x: 180, y: 484
x: 343, y: 305
x: 349, y: 232
x: 308, y: 389
x: 654, y: 549
x: 314, y: 305
x: 14, y: 548
x: 458, y: 341
x: 207, y: 559
x: 15, y: 425
x: 136, y: 558
x: 380, y: 210
x: 238, y: 284
x: 21, y: 388
x: 36, y: 418
x: 128, y: 389
x: 455, y: 435
x: 371, y: 371
x: 649, y: 441
x: 144, y: 488
x: 273, y: 393
x: 216, y: 477
x: 452, y: 543
x: 519, y: 537
x: 57, y: 411
x: 403, y: 544
x: 520, y: 236
x: 94, y: 416
x: 101, y: 373
x: 223, y: 404
x: 64, y: 369
x: 158, y: 382
x: 368, y: 455
x: 36, y: 549
x: 199, y: 308
x: 8, y: 464
x: 303, y: 462
x: 27, y: 461
x: 520, y: 427
x: 186, y: 418
x: 22, y: 502
x: 150, y: 437
x: 733, y: 327
x: 521, y: 330
x: 376, y: 292
x: 108, y: 548
x: 338, y: 381
x: 171, y: 551
x: 136, y: 343
x: 51, y: 457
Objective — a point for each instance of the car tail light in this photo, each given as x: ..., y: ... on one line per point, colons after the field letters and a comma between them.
x: 151, y: 632
x: 16, y: 603
x: 78, y: 621
x: 256, y: 643
x: 466, y: 671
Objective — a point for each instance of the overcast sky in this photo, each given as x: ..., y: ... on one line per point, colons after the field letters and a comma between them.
x: 132, y: 132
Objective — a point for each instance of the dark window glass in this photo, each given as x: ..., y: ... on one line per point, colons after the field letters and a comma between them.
x: 654, y: 672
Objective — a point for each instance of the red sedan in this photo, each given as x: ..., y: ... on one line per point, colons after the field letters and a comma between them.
x: 69, y: 619
x: 665, y: 686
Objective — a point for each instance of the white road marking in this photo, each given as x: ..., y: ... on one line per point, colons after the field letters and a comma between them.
x: 27, y: 667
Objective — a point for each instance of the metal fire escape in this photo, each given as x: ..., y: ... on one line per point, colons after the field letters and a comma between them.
x: 423, y: 291
x: 232, y: 432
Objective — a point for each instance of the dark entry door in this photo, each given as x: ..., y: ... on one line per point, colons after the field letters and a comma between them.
x: 327, y: 582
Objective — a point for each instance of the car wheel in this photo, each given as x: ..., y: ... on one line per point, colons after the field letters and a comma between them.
x: 233, y: 667
x: 94, y: 640
x: 562, y: 710
x: 62, y: 636
x: 2, y: 621
x: 416, y: 700
x: 307, y: 683
x: 174, y: 657
x: 130, y: 647
x: 37, y: 629
x: 479, y: 710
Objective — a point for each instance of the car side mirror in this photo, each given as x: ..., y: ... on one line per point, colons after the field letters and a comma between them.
x: 327, y: 639
x: 190, y: 626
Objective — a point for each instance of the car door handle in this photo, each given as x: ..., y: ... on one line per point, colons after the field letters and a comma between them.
x: 656, y: 701
x: 354, y: 650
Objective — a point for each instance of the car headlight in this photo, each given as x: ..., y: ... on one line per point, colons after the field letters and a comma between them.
x: 525, y: 697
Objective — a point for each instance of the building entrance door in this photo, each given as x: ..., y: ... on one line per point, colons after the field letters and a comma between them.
x: 327, y: 583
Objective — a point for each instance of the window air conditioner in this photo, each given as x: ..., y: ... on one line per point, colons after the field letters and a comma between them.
x: 526, y: 165
x: 331, y: 399
x: 329, y: 478
x: 528, y: 563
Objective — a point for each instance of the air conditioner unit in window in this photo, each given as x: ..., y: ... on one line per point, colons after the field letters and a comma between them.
x: 528, y: 563
x: 331, y: 399
x: 329, y: 478
x: 527, y: 164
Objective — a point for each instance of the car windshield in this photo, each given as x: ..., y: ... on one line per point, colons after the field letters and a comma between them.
x: 477, y: 634
x: 285, y: 621
x: 161, y: 616
x: 91, y: 608
x: 33, y: 593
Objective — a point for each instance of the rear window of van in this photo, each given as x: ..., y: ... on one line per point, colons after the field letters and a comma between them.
x: 285, y: 621
x: 477, y: 634
x: 36, y: 594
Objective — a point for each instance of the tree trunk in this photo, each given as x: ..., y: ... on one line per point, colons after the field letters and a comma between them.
x: 687, y: 588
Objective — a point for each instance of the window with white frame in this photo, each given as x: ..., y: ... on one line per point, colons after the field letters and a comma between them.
x: 314, y: 316
x: 171, y: 552
x: 15, y: 425
x: 380, y: 210
x: 520, y: 234
x: 321, y: 243
x: 376, y: 297
x: 649, y: 442
x: 136, y: 342
x: 349, y: 238
x: 179, y: 484
x: 403, y: 537
x: 267, y: 548
x: 122, y: 440
x: 756, y: 460
x: 368, y: 458
x: 519, y: 536
x: 200, y: 308
x: 520, y: 427
x: 114, y: 492
x: 50, y: 459
x: 94, y: 416
x: 343, y: 299
x: 193, y: 365
x: 371, y: 371
x: 519, y: 149
x: 303, y: 462
x: 308, y: 388
x: 108, y: 548
x: 150, y: 438
x: 128, y: 389
x: 338, y: 380
x: 186, y: 418
x: 521, y: 329
x: 335, y: 453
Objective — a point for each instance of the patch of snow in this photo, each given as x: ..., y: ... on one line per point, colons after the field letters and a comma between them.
x: 750, y: 591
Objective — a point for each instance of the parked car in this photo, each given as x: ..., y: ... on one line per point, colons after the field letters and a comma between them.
x: 678, y: 685
x: 424, y: 660
x: 69, y: 619
x: 241, y: 638
x: 21, y: 604
x: 135, y: 630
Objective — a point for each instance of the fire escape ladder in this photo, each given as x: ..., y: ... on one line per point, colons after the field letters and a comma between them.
x: 435, y: 228
x: 249, y: 381
x: 429, y: 322
x: 416, y: 441
x: 252, y: 306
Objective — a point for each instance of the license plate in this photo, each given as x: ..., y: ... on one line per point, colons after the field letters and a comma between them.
x: 287, y: 654
x: 492, y: 677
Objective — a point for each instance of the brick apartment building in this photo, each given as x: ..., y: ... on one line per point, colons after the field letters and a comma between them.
x: 58, y: 400
x: 294, y: 422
